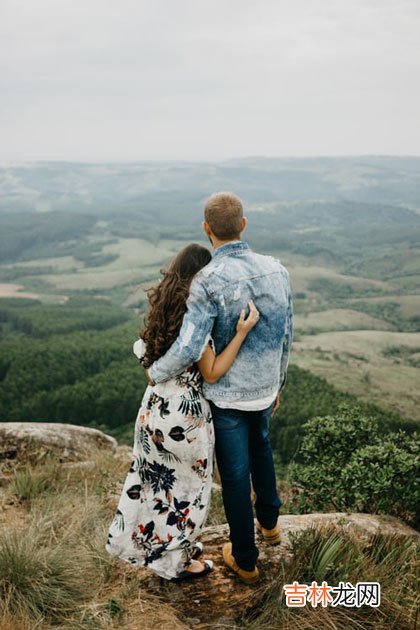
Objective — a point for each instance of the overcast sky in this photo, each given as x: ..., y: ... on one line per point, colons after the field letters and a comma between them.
x: 208, y: 79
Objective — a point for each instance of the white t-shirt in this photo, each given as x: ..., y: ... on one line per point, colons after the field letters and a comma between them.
x: 248, y: 405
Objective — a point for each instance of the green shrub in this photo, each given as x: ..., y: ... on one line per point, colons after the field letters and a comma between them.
x: 348, y: 465
x: 383, y: 478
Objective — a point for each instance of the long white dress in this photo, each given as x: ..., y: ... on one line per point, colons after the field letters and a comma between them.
x: 166, y: 494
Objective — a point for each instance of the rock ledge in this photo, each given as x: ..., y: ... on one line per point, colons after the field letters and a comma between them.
x: 34, y: 440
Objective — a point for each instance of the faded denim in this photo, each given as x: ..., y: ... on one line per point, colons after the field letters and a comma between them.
x: 218, y: 293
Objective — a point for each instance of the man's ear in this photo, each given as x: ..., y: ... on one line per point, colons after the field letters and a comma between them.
x: 244, y: 223
x: 208, y: 232
x: 206, y: 228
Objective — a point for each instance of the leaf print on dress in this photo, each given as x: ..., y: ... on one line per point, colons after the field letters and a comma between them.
x: 178, y: 434
x: 144, y: 471
x: 141, y: 537
x: 161, y: 525
x: 135, y: 465
x: 200, y: 467
x: 140, y: 465
x: 162, y: 404
x: 191, y: 377
x: 191, y: 403
x: 156, y: 553
x: 134, y: 492
x: 118, y: 521
x: 158, y: 438
x: 161, y: 477
x: 177, y: 511
x: 187, y: 551
x: 197, y: 501
x: 147, y: 539
x: 143, y: 439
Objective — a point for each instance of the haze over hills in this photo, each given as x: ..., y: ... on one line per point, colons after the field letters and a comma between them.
x: 79, y: 186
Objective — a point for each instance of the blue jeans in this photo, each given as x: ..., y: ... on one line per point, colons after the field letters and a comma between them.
x: 243, y: 451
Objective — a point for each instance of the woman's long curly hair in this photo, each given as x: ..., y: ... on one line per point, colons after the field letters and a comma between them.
x: 168, y: 301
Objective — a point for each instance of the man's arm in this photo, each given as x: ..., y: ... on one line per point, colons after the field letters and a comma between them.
x: 212, y: 366
x: 288, y: 337
x: 197, y: 324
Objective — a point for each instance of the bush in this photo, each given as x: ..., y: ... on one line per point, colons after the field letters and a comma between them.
x: 348, y: 465
x: 383, y: 478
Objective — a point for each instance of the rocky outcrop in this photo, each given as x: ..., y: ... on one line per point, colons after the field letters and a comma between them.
x: 219, y: 599
x: 33, y: 441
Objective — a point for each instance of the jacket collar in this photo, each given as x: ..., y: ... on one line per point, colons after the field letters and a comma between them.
x: 234, y: 247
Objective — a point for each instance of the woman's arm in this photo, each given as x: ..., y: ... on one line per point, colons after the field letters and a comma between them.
x: 212, y: 367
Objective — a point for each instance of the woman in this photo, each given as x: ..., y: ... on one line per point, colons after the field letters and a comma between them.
x: 166, y: 494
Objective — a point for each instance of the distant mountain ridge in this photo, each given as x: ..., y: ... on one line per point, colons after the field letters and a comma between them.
x: 42, y: 186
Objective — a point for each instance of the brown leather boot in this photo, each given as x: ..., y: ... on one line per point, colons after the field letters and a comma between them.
x: 249, y: 577
x: 271, y: 536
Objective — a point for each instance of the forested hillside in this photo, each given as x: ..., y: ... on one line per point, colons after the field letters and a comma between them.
x: 74, y: 363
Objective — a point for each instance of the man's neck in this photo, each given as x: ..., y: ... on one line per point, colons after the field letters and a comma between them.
x: 216, y: 243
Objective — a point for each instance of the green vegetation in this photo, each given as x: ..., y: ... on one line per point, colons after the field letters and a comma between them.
x: 335, y: 555
x: 73, y: 363
x: 40, y: 321
x: 389, y: 312
x: 28, y: 235
x: 84, y: 377
x: 54, y: 569
x: 349, y: 465
x: 306, y: 396
x: 411, y: 356
x: 331, y: 289
x: 82, y: 370
x: 355, y: 363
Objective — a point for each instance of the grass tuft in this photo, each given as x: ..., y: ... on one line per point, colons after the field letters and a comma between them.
x: 334, y: 554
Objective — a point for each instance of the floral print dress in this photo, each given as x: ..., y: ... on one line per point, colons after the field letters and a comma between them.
x: 166, y: 494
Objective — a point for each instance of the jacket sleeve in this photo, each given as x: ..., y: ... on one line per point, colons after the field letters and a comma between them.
x: 193, y: 337
x: 288, y: 337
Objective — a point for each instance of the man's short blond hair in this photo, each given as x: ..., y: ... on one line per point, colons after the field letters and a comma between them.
x: 224, y: 212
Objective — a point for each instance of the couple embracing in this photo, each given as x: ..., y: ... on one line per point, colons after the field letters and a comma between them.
x: 216, y: 346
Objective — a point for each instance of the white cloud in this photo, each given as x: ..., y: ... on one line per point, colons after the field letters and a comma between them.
x: 136, y: 80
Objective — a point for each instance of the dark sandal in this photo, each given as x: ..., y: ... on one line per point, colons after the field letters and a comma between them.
x: 189, y: 575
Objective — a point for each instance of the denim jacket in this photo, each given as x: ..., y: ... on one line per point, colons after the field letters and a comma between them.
x: 218, y: 293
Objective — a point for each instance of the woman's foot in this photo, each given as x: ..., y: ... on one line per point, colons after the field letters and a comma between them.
x: 194, y: 570
x: 195, y: 567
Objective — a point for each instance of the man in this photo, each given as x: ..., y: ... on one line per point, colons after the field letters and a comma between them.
x: 243, y: 400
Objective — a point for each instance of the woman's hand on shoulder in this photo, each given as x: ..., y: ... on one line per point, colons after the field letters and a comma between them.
x: 244, y: 325
x: 149, y: 376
